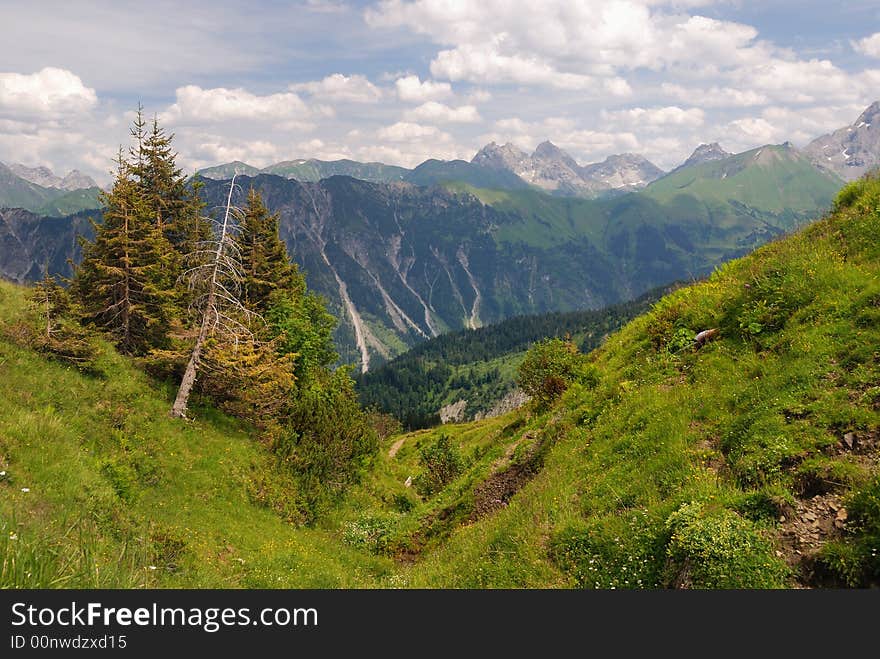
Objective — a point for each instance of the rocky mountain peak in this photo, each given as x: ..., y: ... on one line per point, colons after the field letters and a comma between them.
x: 45, y: 177
x: 546, y: 150
x: 706, y: 153
x: 76, y: 180
x: 622, y: 171
x: 495, y: 156
x: 852, y: 150
x: 870, y: 115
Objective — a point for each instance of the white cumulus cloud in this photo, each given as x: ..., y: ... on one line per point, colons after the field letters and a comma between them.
x: 432, y: 111
x: 339, y: 87
x: 657, y: 117
x: 869, y: 46
x: 196, y: 105
x: 412, y: 89
x: 405, y: 130
x: 48, y: 93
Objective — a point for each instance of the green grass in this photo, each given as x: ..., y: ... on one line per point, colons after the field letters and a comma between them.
x: 101, y: 456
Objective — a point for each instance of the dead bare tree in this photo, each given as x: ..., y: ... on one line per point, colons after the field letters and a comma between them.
x: 215, y: 278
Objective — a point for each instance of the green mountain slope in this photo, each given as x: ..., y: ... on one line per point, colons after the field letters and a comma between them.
x: 777, y: 183
x: 99, y: 487
x: 750, y: 461
x: 311, y: 170
x: 71, y: 202
x: 437, y: 172
x: 16, y: 192
x: 314, y: 170
x: 227, y: 170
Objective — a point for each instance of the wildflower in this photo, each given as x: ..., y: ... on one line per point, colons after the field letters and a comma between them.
x: 13, y: 535
x: 151, y: 567
x: 25, y: 489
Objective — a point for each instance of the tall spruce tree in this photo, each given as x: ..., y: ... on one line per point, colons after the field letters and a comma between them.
x: 267, y: 266
x: 174, y: 204
x: 125, y: 282
x: 298, y: 321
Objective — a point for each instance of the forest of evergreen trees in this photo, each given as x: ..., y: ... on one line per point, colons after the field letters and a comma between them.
x: 413, y: 386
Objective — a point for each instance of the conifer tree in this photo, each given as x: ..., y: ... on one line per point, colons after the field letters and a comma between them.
x: 51, y: 301
x: 274, y: 287
x: 125, y: 282
x: 59, y: 334
x: 267, y: 266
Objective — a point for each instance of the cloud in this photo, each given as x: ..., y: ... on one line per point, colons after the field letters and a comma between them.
x: 715, y: 97
x: 657, y: 117
x: 404, y: 130
x: 409, y: 144
x: 597, y: 47
x: 869, y: 46
x: 800, y: 81
x: 206, y: 149
x: 432, y: 111
x: 412, y: 89
x: 568, y: 44
x: 47, y: 94
x: 777, y: 124
x: 485, y: 64
x: 195, y: 105
x: 341, y: 88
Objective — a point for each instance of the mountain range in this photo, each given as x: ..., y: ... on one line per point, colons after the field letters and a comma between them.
x: 39, y: 190
x: 505, y: 167
x: 45, y: 177
x: 462, y: 244
x: 400, y: 263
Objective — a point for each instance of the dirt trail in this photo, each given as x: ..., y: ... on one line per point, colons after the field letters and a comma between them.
x: 395, y: 447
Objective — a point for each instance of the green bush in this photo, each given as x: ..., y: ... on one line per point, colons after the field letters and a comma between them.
x: 549, y: 367
x: 328, y: 440
x: 716, y: 548
x: 442, y: 462
x: 370, y: 532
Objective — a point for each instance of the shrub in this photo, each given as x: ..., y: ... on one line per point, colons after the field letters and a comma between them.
x: 716, y: 548
x: 549, y: 367
x: 370, y: 532
x: 328, y: 439
x: 442, y: 462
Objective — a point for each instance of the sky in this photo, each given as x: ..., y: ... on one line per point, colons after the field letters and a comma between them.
x: 400, y: 81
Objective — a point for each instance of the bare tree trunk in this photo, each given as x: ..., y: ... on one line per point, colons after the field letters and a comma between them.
x: 178, y: 410
x: 210, y: 316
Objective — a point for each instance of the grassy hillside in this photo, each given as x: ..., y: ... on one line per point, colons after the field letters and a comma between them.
x: 751, y: 461
x: 101, y: 488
